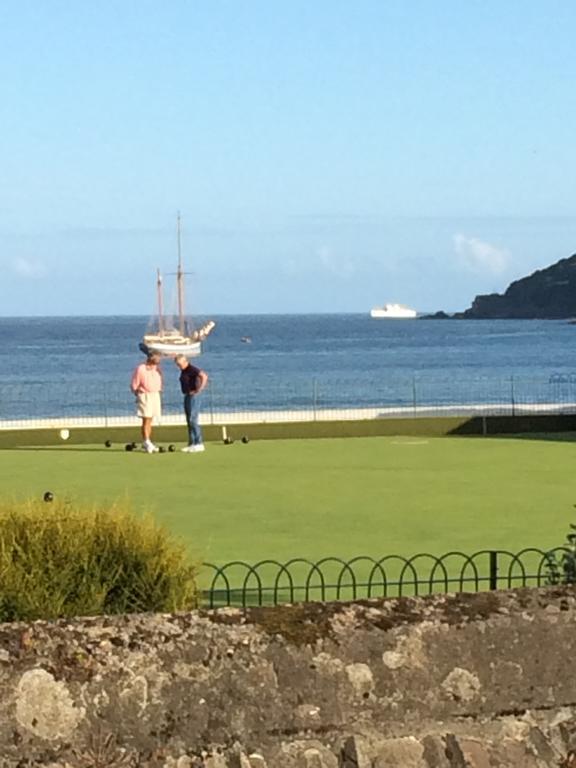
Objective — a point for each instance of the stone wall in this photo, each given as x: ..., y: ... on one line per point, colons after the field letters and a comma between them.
x: 442, y: 682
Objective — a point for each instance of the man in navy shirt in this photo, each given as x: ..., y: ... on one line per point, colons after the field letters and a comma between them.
x: 192, y: 381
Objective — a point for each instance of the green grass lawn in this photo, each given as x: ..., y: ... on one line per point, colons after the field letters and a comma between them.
x: 315, y: 498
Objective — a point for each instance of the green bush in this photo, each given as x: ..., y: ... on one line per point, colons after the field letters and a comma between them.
x: 66, y: 559
x: 561, y: 562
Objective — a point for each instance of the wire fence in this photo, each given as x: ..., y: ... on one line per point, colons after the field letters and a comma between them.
x: 270, y: 582
x: 110, y: 403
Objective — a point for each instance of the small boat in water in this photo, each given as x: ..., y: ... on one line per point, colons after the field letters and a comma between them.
x: 168, y: 339
x: 393, y: 311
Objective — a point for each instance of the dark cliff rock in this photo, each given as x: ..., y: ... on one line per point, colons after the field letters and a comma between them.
x: 548, y: 294
x: 441, y: 315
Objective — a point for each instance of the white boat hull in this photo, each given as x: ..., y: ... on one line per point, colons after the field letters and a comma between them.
x: 171, y: 349
x: 172, y: 343
x: 394, y: 312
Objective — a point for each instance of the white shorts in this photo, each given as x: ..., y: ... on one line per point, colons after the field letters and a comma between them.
x: 149, y: 405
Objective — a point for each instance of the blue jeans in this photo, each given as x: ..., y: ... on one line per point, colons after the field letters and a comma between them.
x: 192, y: 411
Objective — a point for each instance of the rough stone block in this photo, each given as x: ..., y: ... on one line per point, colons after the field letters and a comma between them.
x: 543, y: 748
x: 476, y: 754
x: 454, y: 752
x: 256, y: 760
x: 215, y: 761
x: 406, y: 752
x: 313, y: 759
x: 512, y: 753
x: 435, y: 755
x: 303, y: 754
x: 354, y: 754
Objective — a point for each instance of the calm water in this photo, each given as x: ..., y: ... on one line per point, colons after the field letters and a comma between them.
x: 48, y: 365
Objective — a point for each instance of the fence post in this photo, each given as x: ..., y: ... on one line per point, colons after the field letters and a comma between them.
x: 314, y: 397
x: 211, y: 393
x: 512, y: 396
x: 493, y: 569
x: 106, y: 405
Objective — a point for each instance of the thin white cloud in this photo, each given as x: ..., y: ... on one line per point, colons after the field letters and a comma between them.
x: 31, y: 270
x: 480, y: 256
x: 324, y: 261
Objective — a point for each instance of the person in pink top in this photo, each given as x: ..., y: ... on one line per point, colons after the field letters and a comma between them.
x: 147, y: 386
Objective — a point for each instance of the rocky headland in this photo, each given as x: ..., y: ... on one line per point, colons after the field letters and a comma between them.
x: 547, y: 294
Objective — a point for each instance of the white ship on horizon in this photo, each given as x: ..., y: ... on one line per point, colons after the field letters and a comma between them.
x: 393, y: 311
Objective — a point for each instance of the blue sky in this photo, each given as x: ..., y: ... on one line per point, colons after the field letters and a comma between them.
x: 326, y: 156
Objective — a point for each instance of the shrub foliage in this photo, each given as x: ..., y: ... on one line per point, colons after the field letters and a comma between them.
x: 64, y: 559
x: 561, y: 566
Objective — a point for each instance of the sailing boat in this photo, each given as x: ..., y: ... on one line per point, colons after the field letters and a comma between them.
x: 168, y: 340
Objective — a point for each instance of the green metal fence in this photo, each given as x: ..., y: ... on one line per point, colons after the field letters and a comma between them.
x: 270, y: 582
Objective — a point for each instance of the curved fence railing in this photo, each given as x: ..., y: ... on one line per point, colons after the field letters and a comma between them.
x: 270, y: 582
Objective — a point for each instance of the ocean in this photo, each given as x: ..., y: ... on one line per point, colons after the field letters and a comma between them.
x: 82, y: 365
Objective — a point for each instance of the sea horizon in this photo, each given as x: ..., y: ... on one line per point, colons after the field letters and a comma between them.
x: 364, y: 313
x: 200, y: 314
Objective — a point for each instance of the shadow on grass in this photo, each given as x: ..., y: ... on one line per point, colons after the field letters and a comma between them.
x: 555, y: 437
x: 559, y: 428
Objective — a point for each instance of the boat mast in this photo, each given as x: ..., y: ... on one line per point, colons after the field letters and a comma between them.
x: 180, y: 282
x: 160, y: 299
